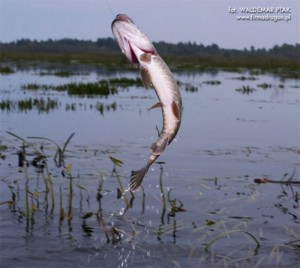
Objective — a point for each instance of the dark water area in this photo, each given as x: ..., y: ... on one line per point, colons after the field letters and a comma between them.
x: 199, y: 206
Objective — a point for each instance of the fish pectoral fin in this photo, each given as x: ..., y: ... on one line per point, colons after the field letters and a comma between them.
x: 156, y: 105
x: 137, y: 177
x: 159, y: 149
x: 146, y: 79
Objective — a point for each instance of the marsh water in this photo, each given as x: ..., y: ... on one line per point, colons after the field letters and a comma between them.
x: 199, y: 206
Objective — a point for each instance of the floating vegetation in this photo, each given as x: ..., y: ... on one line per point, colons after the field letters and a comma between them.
x: 212, y: 82
x: 264, y: 85
x: 245, y: 90
x: 6, y: 70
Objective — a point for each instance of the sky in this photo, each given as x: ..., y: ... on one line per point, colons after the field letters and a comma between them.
x: 202, y: 21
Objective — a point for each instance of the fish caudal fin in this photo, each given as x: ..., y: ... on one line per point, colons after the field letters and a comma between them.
x: 137, y: 178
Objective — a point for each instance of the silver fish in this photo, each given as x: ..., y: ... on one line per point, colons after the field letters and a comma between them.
x: 154, y: 72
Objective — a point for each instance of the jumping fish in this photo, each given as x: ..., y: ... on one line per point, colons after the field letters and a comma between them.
x: 154, y: 72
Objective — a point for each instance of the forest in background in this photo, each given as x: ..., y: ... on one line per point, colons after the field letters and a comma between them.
x: 181, y: 56
x: 109, y: 45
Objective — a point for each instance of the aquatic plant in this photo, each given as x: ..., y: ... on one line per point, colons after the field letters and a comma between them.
x: 120, y: 190
x: 59, y: 157
x: 46, y: 105
x: 243, y: 78
x: 6, y: 105
x: 191, y: 88
x: 6, y: 70
x: 97, y: 221
x: 61, y: 73
x: 245, y: 90
x: 225, y: 234
x: 42, y: 105
x: 125, y: 82
x: 162, y: 194
x: 102, y: 87
x: 33, y: 86
x: 105, y: 107
x: 212, y: 82
x: 264, y: 85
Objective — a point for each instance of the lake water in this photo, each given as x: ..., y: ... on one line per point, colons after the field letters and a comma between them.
x: 237, y: 126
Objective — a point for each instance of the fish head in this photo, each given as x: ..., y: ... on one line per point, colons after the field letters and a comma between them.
x: 132, y: 41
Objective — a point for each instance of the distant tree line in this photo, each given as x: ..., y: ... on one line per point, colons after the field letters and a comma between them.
x: 109, y: 45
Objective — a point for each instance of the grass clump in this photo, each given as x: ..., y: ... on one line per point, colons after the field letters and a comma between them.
x: 6, y: 70
x: 264, y: 85
x: 100, y: 107
x: 212, y: 82
x: 243, y: 78
x: 42, y: 105
x: 103, y: 87
x: 245, y: 90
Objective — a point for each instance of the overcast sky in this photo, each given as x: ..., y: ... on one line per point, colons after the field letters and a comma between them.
x: 200, y: 21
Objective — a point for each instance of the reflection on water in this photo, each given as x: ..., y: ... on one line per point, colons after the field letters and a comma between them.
x: 80, y: 213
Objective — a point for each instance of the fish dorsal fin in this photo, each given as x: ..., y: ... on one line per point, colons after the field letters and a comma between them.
x: 146, y: 78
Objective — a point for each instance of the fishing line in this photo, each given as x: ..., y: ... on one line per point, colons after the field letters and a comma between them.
x: 110, y: 9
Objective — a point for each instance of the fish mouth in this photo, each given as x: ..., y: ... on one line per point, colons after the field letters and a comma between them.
x: 122, y: 17
x: 128, y: 35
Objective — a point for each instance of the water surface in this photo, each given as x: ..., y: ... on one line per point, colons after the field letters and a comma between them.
x: 232, y: 132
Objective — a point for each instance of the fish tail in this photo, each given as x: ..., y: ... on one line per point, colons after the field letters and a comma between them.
x: 137, y: 177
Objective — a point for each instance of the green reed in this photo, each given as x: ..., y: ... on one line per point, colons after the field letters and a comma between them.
x: 162, y: 194
x: 120, y: 189
x: 59, y: 157
x: 61, y: 209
